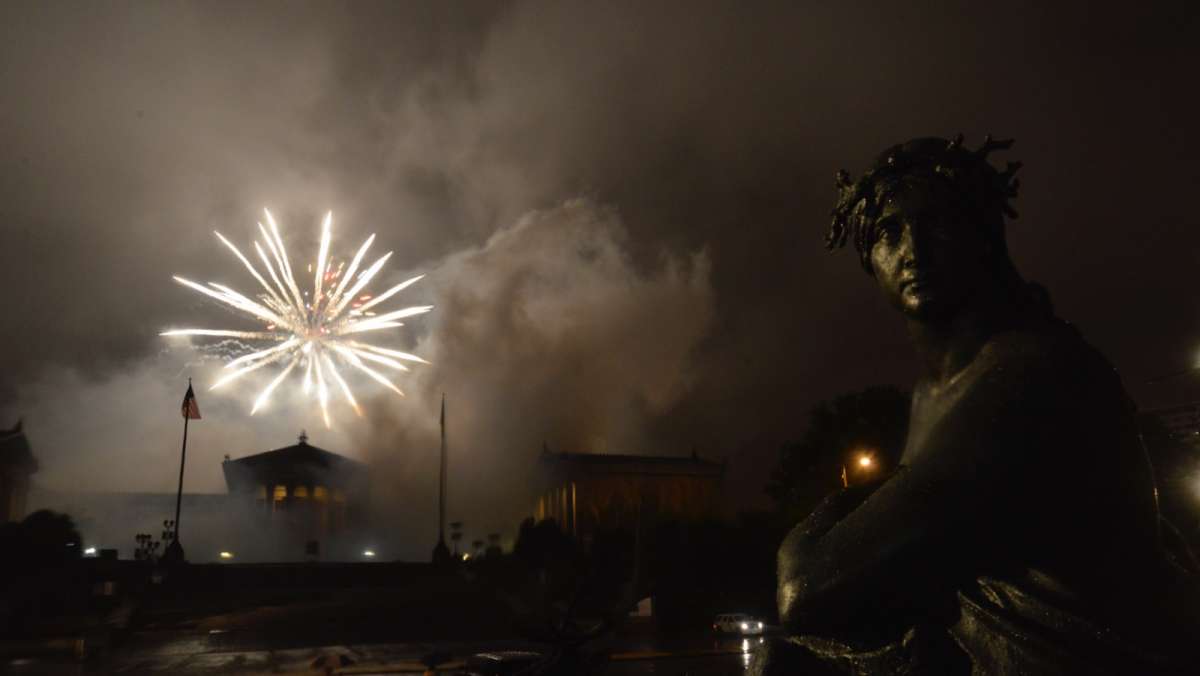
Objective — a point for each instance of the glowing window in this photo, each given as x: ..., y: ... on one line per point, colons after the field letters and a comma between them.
x: 300, y: 492
x: 320, y: 493
x: 281, y: 492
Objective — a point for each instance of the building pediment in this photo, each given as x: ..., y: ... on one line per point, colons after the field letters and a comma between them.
x: 300, y: 464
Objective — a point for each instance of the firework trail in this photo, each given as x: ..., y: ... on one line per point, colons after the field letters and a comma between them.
x: 313, y: 333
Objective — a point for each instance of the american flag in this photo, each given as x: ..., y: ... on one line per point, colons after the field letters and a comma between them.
x: 190, y: 408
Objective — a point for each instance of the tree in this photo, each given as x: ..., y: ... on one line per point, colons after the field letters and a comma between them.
x: 871, y: 423
x: 43, y: 540
x: 39, y: 571
x: 541, y: 544
x: 493, y: 548
x: 563, y: 596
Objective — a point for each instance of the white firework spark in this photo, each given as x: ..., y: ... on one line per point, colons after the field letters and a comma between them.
x: 316, y: 334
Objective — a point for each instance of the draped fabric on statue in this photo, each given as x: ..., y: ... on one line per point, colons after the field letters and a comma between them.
x: 1003, y: 627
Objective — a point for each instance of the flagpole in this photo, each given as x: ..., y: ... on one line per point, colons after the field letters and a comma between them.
x: 174, y: 551
x: 441, y: 553
x: 442, y: 487
x: 182, y: 461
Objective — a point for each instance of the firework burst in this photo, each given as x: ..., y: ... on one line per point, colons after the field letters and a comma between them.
x: 315, y: 333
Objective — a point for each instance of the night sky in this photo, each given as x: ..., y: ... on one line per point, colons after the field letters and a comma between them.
x: 620, y: 207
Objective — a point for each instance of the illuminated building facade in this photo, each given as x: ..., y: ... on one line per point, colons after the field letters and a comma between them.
x: 16, y: 465
x: 303, y: 492
x: 584, y: 491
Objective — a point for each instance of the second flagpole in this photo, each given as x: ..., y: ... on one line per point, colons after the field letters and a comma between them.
x: 174, y: 552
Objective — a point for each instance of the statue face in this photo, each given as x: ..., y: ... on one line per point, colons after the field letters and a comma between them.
x: 926, y: 260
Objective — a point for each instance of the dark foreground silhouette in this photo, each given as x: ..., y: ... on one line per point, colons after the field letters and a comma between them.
x: 1020, y: 532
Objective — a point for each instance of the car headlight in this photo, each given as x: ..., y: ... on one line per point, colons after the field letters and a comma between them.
x: 760, y: 625
x: 745, y: 626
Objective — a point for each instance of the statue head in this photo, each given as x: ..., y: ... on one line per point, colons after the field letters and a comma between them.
x: 927, y: 220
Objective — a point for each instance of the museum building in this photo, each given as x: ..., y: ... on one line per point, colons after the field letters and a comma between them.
x: 306, y: 491
x: 584, y: 492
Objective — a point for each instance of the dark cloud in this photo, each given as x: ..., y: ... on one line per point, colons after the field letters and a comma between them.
x: 701, y: 137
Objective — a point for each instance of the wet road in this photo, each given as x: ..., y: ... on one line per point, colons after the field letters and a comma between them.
x: 722, y: 657
x: 700, y: 655
x: 707, y: 666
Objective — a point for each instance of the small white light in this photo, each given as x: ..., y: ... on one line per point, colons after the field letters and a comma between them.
x: 466, y: 556
x: 226, y: 555
x: 369, y: 553
x: 760, y: 625
x: 745, y: 626
x: 90, y: 551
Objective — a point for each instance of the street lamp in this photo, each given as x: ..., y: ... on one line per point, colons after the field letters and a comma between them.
x: 864, y: 462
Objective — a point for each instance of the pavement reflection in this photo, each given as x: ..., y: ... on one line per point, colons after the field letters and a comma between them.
x: 698, y: 656
x: 631, y: 654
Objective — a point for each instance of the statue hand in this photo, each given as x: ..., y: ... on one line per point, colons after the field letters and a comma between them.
x: 835, y: 507
x: 797, y: 548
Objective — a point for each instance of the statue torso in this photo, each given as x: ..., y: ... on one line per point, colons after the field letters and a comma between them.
x: 1020, y: 527
x: 1064, y: 531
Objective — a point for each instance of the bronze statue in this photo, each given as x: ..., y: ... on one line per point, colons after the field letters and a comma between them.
x: 1020, y: 532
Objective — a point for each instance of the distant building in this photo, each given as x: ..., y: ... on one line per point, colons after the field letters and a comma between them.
x: 278, y: 504
x: 584, y: 491
x: 301, y: 492
x: 16, y: 465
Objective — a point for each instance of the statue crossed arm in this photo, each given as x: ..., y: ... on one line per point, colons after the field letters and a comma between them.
x: 980, y: 456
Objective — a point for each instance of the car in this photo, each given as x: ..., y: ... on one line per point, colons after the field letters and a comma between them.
x: 737, y: 623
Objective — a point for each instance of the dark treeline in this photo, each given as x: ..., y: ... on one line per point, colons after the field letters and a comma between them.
x: 40, y: 575
x: 692, y: 571
x: 695, y: 570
